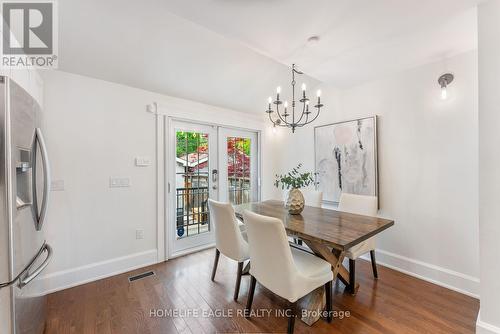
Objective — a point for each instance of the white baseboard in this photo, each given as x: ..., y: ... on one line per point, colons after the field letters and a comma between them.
x: 485, y: 328
x: 65, y: 279
x: 444, y: 277
x: 447, y: 278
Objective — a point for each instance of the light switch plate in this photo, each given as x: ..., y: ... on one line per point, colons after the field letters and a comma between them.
x: 119, y: 182
x: 139, y: 234
x: 143, y: 161
x: 57, y: 185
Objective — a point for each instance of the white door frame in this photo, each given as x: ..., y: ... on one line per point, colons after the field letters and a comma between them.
x: 168, y: 174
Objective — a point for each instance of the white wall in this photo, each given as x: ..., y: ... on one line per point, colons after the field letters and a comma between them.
x: 489, y: 160
x: 427, y: 167
x: 427, y: 161
x: 94, y: 129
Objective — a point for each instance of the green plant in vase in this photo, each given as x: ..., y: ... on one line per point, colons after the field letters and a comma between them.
x: 293, y: 181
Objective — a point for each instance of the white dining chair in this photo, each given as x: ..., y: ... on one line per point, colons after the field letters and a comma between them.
x: 313, y: 197
x: 285, y: 271
x: 228, y: 238
x: 361, y: 205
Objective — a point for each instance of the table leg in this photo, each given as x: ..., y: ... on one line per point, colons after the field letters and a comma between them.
x: 343, y: 276
x: 315, y: 301
x: 333, y: 257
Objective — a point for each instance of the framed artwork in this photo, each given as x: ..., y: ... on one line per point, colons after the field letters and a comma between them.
x: 346, y: 158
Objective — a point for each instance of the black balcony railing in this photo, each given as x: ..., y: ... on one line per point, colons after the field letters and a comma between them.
x: 192, y: 211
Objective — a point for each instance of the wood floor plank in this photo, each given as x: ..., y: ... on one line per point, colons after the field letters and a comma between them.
x: 396, y: 303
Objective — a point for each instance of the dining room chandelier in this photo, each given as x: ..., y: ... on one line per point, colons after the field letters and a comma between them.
x: 293, y: 118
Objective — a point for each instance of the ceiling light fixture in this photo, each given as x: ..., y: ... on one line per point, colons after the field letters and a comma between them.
x: 444, y: 81
x: 293, y: 120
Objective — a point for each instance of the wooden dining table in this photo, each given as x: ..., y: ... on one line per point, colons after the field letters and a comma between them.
x: 328, y: 233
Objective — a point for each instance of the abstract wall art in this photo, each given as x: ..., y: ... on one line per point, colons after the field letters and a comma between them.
x: 346, y: 158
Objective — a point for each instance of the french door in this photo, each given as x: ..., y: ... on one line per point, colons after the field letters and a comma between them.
x: 206, y: 162
x: 238, y: 164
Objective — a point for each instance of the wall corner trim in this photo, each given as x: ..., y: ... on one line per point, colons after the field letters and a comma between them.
x: 485, y: 328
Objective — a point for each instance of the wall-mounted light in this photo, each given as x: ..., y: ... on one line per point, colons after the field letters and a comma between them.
x: 444, y: 81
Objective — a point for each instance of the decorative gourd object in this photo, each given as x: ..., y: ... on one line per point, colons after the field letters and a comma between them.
x: 295, y: 202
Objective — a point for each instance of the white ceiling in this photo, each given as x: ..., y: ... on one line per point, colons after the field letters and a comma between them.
x: 143, y: 45
x: 359, y: 39
x: 233, y: 53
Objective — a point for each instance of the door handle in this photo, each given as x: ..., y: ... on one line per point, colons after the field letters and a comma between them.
x: 24, y: 273
x: 28, y: 277
x: 215, y: 178
x: 40, y: 216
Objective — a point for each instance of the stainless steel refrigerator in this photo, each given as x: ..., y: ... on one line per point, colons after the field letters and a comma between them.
x: 24, y: 199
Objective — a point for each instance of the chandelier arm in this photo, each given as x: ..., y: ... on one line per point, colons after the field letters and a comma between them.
x: 275, y: 123
x: 307, y: 117
x: 305, y: 122
x: 303, y: 112
x: 279, y: 115
x: 317, y: 114
x: 271, y: 119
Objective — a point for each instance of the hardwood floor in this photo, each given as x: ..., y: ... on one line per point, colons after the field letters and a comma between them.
x: 396, y: 303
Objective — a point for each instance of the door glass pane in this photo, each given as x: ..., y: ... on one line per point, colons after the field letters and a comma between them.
x: 191, y: 183
x: 238, y: 170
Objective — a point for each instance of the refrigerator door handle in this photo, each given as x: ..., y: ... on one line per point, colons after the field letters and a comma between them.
x: 23, y: 273
x: 29, y: 276
x: 40, y: 217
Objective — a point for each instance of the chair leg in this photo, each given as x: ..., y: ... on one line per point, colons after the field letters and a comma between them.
x: 216, y: 262
x: 251, y: 291
x: 352, y: 276
x: 328, y: 293
x: 291, y: 319
x: 238, y: 281
x: 374, y: 264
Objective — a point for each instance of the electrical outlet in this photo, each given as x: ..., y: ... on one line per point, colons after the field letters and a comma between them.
x: 143, y: 161
x: 139, y: 234
x: 117, y: 182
